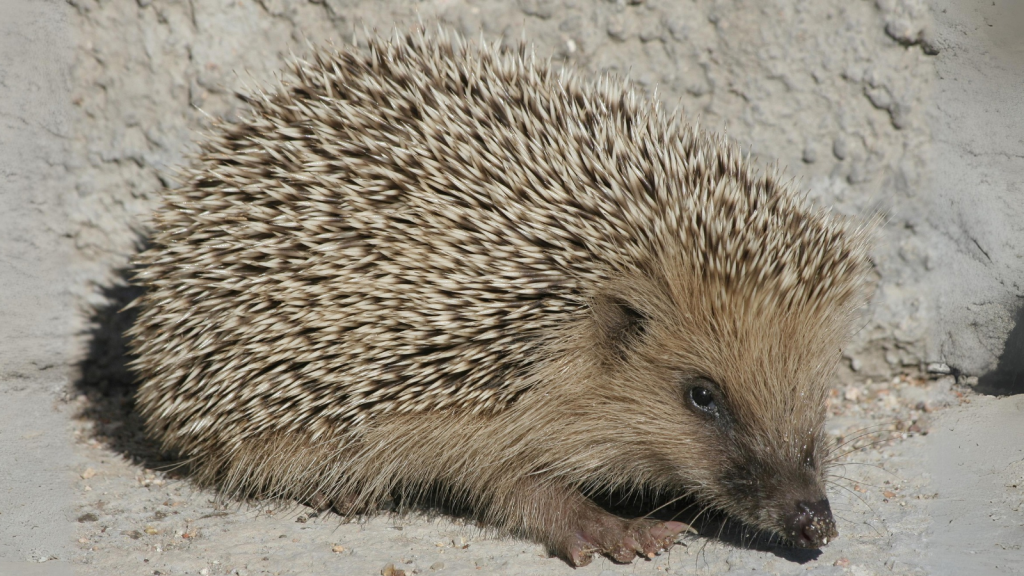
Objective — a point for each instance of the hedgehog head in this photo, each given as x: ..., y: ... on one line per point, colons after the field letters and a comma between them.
x: 725, y: 343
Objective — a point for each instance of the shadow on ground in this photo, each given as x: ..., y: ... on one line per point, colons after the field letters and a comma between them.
x: 708, y: 524
x: 1008, y: 377
x: 107, y: 382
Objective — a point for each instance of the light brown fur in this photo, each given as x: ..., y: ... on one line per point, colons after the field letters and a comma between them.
x: 442, y: 269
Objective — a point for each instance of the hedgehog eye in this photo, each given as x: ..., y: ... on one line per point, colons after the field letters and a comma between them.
x: 704, y: 400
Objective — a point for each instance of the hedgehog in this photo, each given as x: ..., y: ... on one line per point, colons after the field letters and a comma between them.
x: 438, y: 270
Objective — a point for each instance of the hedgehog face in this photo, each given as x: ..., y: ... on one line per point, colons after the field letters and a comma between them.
x: 761, y: 468
x: 745, y: 409
x: 771, y: 479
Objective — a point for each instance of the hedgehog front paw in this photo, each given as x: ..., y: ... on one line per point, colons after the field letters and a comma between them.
x: 621, y: 540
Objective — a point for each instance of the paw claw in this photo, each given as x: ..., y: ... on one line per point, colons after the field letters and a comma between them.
x: 623, y: 555
x: 581, y: 553
x: 661, y: 532
x: 622, y: 540
x: 676, y: 528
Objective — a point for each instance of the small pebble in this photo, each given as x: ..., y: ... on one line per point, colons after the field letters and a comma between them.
x: 810, y: 156
x: 617, y: 31
x: 840, y: 148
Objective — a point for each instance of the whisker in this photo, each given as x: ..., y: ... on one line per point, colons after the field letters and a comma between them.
x: 832, y: 459
x: 665, y: 505
x: 858, y: 434
x: 855, y: 495
x: 848, y: 479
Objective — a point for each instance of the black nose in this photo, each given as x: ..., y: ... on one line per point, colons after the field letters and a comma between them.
x: 811, y: 524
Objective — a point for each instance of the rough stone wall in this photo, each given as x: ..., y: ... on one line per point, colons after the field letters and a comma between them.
x: 834, y: 91
x: 36, y: 123
x: 972, y: 204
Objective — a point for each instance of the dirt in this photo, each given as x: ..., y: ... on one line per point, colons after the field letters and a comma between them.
x: 143, y: 518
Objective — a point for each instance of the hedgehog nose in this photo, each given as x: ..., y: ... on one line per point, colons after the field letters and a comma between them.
x: 811, y: 525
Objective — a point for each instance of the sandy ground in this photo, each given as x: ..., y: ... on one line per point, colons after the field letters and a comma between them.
x: 926, y: 491
x: 931, y: 485
x: 99, y: 99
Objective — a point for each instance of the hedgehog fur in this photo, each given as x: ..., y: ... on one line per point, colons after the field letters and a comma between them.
x: 436, y: 267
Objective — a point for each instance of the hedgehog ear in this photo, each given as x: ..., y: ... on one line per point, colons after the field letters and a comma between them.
x: 621, y: 325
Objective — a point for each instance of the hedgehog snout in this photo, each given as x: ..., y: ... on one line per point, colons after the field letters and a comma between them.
x: 810, y: 524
